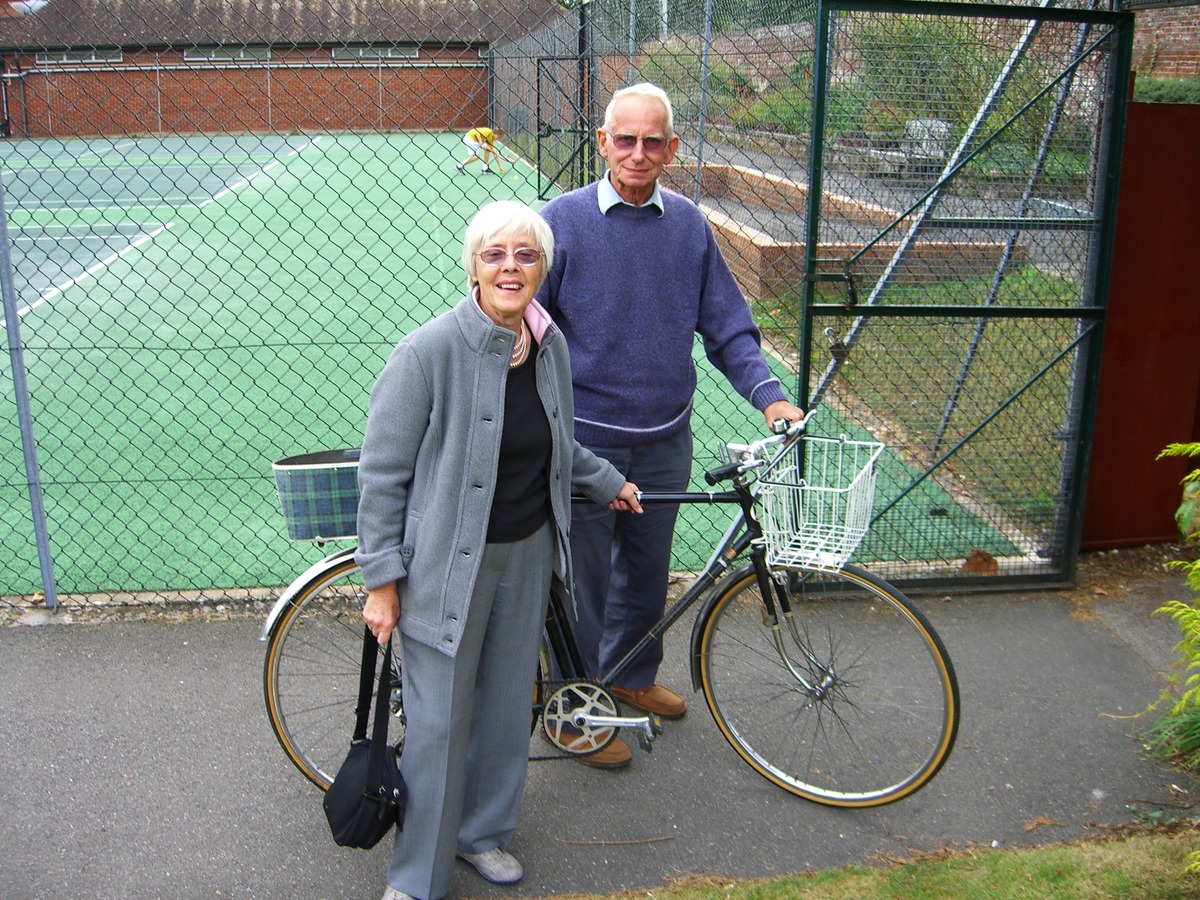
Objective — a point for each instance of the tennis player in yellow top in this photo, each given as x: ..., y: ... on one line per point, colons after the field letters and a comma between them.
x: 482, y: 141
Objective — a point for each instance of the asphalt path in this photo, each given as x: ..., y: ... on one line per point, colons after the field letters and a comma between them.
x: 136, y: 762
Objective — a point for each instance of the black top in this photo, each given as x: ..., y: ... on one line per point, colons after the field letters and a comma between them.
x: 521, y: 504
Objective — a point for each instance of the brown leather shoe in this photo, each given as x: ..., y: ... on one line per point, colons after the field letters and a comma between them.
x: 657, y: 699
x: 615, y: 755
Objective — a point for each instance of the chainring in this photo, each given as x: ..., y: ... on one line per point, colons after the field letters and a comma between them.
x: 568, y: 701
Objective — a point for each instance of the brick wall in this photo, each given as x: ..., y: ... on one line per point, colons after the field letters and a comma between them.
x: 1166, y: 42
x: 159, y: 93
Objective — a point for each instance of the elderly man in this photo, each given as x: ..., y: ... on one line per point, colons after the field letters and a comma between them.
x: 637, y: 273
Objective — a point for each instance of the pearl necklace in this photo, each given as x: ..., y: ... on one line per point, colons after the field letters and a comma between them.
x: 521, y: 348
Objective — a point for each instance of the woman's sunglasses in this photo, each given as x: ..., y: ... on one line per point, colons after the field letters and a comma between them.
x: 525, y: 256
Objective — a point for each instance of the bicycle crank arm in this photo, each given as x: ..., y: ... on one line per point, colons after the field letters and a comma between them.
x: 648, y: 727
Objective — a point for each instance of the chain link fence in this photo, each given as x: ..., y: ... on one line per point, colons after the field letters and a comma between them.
x: 221, y: 219
x: 988, y: 143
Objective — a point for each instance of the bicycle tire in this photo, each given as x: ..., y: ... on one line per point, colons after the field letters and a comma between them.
x: 887, y: 718
x: 311, y: 671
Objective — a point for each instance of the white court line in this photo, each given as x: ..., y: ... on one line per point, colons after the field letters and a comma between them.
x: 164, y: 203
x: 238, y: 184
x: 80, y: 239
x: 99, y: 154
x: 52, y: 292
x: 99, y: 229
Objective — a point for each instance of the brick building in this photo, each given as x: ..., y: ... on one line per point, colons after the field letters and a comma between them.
x: 1166, y: 42
x: 85, y: 67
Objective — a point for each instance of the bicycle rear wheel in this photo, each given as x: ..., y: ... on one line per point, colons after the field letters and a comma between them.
x: 310, y: 675
x: 853, y: 702
x: 311, y: 672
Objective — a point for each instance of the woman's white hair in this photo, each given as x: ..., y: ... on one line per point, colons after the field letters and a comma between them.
x: 645, y: 89
x: 501, y: 221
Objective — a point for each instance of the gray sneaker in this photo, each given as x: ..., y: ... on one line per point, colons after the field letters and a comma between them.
x: 495, y: 865
x: 392, y: 894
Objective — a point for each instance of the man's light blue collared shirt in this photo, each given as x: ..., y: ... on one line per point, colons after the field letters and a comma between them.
x: 608, y: 197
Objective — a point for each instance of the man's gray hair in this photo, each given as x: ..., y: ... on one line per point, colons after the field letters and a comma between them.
x: 645, y: 89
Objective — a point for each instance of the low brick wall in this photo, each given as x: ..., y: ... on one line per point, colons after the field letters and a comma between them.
x: 160, y: 92
x: 767, y: 268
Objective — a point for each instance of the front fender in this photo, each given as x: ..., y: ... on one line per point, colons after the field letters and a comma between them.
x: 701, y: 617
x: 289, y: 593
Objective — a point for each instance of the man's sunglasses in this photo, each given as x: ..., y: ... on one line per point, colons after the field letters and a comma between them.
x: 629, y: 141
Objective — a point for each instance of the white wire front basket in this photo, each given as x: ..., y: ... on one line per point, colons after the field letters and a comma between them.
x: 815, y: 508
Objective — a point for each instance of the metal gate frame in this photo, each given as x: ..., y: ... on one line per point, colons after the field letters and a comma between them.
x: 1090, y: 313
x: 578, y: 160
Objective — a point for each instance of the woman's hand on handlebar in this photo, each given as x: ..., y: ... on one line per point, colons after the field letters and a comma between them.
x: 627, y: 500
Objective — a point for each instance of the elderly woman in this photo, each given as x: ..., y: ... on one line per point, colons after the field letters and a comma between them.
x: 466, y: 474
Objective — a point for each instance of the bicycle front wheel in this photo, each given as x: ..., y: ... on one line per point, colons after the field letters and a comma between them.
x: 850, y: 701
x: 311, y: 672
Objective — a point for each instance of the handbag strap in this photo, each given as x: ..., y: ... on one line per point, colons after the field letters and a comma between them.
x: 366, y: 681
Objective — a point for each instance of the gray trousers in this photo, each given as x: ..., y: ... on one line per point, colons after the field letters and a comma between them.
x: 466, y: 749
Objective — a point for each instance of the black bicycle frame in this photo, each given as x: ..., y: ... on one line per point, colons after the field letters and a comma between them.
x: 743, y: 532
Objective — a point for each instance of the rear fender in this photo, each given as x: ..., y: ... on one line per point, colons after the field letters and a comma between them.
x: 289, y: 593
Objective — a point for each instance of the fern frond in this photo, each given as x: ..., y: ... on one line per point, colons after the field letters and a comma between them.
x: 1193, y: 863
x: 1186, y: 449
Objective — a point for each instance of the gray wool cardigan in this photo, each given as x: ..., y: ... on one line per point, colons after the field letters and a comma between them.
x: 427, y: 471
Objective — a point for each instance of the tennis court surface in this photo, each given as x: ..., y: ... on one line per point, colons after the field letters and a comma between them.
x: 193, y: 308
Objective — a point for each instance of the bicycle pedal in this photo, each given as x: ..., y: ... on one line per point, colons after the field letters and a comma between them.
x: 648, y: 732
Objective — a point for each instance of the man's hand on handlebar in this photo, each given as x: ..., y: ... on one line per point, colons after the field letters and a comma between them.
x: 781, y: 414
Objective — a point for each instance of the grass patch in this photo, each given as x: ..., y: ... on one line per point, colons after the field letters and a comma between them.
x: 1146, y: 865
x: 935, y: 381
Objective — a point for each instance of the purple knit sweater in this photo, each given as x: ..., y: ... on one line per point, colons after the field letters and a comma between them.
x: 629, y: 289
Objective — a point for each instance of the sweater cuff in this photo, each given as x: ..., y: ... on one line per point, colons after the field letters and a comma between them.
x: 767, y: 393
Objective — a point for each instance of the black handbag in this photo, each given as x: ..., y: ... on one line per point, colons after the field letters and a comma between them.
x: 368, y: 795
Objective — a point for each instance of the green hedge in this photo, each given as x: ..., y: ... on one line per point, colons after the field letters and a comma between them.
x: 1166, y: 90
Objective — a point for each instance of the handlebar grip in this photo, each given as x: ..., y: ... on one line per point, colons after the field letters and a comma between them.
x: 721, y: 473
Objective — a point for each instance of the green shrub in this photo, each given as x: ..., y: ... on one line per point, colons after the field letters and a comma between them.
x: 789, y: 110
x: 676, y: 66
x: 883, y: 124
x: 1166, y: 90
x: 800, y: 74
x: 1176, y: 735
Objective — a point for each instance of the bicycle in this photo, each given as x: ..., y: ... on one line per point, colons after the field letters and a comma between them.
x: 824, y: 678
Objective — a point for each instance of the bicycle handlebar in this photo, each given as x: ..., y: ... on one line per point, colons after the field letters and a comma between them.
x: 749, y: 456
x: 754, y: 455
x: 722, y: 473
